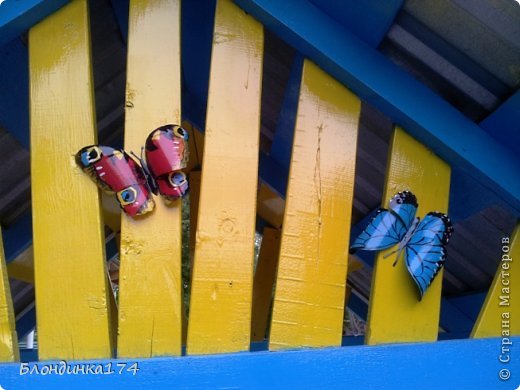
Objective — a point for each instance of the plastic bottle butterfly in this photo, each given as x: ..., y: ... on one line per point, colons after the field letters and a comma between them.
x: 134, y: 179
x: 422, y: 241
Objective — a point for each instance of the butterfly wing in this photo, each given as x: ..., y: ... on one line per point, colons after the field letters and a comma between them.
x: 426, y: 252
x: 115, y: 171
x: 404, y: 206
x: 166, y: 153
x: 383, y: 231
x: 388, y: 227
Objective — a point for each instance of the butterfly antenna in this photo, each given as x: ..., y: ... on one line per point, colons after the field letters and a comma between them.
x: 389, y: 254
x: 397, y: 258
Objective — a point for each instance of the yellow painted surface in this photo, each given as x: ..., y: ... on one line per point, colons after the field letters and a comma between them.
x: 265, y: 275
x: 395, y: 312
x: 222, y: 282
x: 312, y: 271
x: 70, y: 272
x: 8, y: 338
x: 270, y: 206
x: 150, y: 319
x: 22, y: 268
x: 498, y: 316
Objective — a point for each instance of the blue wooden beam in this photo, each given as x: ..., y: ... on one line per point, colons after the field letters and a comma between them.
x: 468, y: 196
x: 457, y: 364
x: 18, y: 16
x: 17, y: 237
x: 196, y: 41
x: 273, y: 174
x: 14, y: 90
x: 121, y: 12
x: 374, y: 78
x: 26, y: 322
x: 369, y: 20
x: 504, y: 123
x: 469, y: 304
x: 281, y: 147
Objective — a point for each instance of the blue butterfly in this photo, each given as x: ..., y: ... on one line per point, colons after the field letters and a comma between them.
x: 422, y: 241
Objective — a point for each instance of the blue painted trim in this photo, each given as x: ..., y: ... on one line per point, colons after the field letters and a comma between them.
x: 453, y: 320
x: 468, y: 197
x: 198, y: 19
x: 17, y: 237
x: 504, y: 123
x: 281, y: 147
x: 358, y: 306
x: 369, y: 20
x: 469, y: 304
x: 396, y: 93
x: 367, y: 257
x: 121, y: 10
x: 14, y: 90
x: 28, y: 355
x: 273, y: 174
x: 458, y: 364
x: 26, y: 322
x: 18, y: 16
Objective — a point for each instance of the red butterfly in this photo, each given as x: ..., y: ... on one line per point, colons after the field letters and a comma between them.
x: 134, y: 179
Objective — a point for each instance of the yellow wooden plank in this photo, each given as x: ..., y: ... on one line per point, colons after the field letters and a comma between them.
x: 22, y: 268
x: 221, y: 292
x: 395, y: 312
x: 310, y: 287
x: 150, y: 319
x: 502, y: 304
x: 265, y: 275
x: 270, y: 206
x: 8, y: 338
x: 70, y: 271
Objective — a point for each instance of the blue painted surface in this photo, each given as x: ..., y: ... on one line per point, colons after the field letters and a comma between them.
x: 504, y: 123
x: 458, y: 364
x: 273, y: 174
x: 18, y: 16
x: 281, y: 147
x: 196, y: 40
x: 121, y: 11
x: 367, y: 257
x: 370, y: 75
x: 469, y: 304
x: 453, y: 320
x: 14, y: 89
x: 17, y: 237
x: 468, y: 196
x: 369, y: 20
x: 28, y: 355
x: 358, y: 306
x: 26, y: 322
